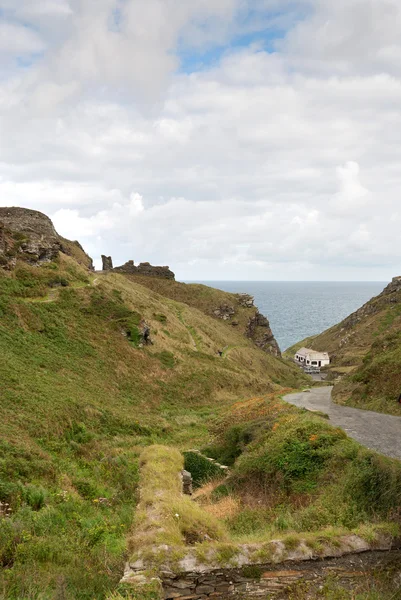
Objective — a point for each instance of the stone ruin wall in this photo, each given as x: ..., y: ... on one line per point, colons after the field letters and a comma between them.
x: 129, y: 268
x: 279, y: 581
x: 271, y: 570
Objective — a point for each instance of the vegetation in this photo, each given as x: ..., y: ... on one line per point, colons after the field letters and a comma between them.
x: 295, y: 473
x: 365, y: 352
x: 81, y: 401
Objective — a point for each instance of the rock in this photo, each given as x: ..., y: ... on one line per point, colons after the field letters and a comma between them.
x: 107, y: 263
x: 145, y: 333
x: 258, y: 329
x: 30, y: 235
x: 145, y: 269
x: 186, y: 483
x: 225, y: 312
x: 246, y: 300
x: 204, y: 589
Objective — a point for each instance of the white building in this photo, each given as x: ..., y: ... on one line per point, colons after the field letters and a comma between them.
x: 311, y: 358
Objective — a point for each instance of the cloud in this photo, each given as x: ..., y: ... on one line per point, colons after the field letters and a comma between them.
x: 16, y: 40
x: 262, y: 164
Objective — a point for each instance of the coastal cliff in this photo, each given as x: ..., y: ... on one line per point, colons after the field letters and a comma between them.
x: 365, y: 353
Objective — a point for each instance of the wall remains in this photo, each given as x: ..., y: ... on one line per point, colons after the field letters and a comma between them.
x: 166, y: 562
x: 278, y: 581
x: 145, y: 269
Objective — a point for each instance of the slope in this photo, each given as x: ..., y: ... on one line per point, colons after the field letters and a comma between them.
x: 365, y: 351
x: 81, y: 394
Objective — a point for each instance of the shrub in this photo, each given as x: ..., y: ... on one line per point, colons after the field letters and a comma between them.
x: 34, y: 496
x: 201, y: 469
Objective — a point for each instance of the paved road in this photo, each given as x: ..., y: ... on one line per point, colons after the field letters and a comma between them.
x: 374, y: 430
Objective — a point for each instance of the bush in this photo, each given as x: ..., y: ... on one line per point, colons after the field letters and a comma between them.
x: 293, y: 454
x: 201, y: 469
x: 34, y: 496
x: 373, y: 482
x: 233, y: 442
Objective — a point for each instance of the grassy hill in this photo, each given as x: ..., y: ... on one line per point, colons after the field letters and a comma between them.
x: 81, y: 396
x: 365, y: 352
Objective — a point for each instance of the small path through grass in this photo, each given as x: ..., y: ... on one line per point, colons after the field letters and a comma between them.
x: 54, y: 293
x: 376, y: 431
x: 191, y: 331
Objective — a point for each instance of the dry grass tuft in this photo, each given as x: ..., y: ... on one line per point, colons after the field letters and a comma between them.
x: 226, y: 508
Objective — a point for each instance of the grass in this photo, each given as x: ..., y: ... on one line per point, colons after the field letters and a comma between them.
x: 80, y: 401
x: 164, y: 515
x: 365, y: 352
x: 293, y: 473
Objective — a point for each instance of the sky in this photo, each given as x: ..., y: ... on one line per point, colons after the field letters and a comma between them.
x: 228, y: 139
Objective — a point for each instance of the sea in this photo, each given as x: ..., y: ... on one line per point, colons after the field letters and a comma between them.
x: 299, y: 309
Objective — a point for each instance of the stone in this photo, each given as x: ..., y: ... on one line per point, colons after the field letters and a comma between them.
x: 182, y: 584
x: 171, y: 593
x: 187, y: 487
x: 259, y: 330
x: 107, y: 263
x: 30, y: 235
x: 246, y: 300
x: 145, y: 268
x: 204, y: 589
x: 225, y: 312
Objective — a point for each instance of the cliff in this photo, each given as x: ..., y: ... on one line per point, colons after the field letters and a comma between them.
x: 365, y: 352
x: 94, y: 368
x: 30, y: 236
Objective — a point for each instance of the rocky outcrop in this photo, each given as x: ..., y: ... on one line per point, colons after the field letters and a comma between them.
x: 391, y: 294
x: 30, y: 235
x: 145, y: 269
x: 224, y: 311
x: 107, y: 263
x: 246, y: 301
x: 33, y: 233
x: 258, y: 327
x: 259, y: 330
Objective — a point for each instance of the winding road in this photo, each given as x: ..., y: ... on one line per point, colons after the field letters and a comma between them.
x: 374, y: 430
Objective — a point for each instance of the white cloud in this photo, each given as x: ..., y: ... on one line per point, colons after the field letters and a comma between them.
x: 16, y: 40
x: 279, y: 165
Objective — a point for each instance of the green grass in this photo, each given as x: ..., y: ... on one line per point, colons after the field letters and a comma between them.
x: 79, y: 402
x: 293, y: 472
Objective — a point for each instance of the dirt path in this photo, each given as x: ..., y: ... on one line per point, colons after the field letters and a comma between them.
x: 374, y: 430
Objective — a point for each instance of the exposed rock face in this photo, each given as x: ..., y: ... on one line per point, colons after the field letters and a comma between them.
x: 259, y: 330
x: 38, y: 241
x: 31, y: 236
x: 224, y: 312
x: 246, y: 300
x: 107, y: 263
x: 391, y: 293
x: 145, y: 269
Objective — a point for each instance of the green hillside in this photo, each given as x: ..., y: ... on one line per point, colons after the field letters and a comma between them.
x: 365, y: 351
x: 80, y: 397
x: 83, y: 392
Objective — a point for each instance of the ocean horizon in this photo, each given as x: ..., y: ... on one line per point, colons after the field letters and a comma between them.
x: 299, y: 309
